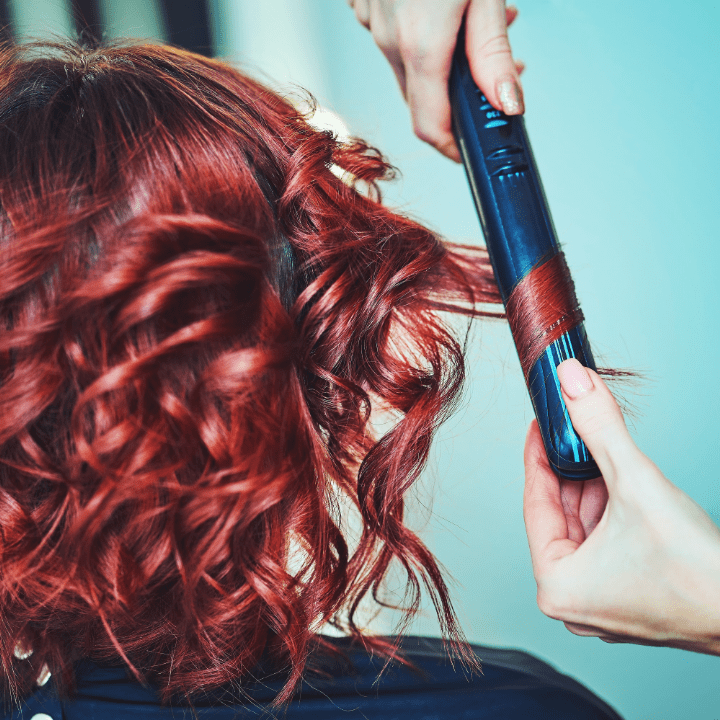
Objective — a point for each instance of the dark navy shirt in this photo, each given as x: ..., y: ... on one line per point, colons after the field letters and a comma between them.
x: 513, y: 686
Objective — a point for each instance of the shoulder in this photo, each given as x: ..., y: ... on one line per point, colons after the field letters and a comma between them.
x: 43, y: 704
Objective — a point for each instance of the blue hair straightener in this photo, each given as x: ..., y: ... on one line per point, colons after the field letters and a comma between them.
x: 519, y: 235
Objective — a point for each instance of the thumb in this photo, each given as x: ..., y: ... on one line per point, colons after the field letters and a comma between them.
x: 490, y: 57
x: 597, y: 418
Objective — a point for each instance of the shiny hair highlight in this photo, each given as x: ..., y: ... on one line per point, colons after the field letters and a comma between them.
x: 180, y: 406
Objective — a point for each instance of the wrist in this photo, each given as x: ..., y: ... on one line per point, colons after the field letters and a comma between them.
x: 696, y: 610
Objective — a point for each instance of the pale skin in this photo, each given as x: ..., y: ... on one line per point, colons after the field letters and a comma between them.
x: 418, y: 39
x: 628, y: 557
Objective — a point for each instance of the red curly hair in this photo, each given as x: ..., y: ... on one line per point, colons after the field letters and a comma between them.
x: 198, y: 317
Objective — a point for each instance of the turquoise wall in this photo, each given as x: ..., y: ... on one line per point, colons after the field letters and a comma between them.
x: 623, y: 102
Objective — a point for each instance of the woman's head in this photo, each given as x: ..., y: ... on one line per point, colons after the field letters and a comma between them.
x: 198, y: 315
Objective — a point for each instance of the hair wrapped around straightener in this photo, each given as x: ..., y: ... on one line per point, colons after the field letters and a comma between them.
x: 541, y: 308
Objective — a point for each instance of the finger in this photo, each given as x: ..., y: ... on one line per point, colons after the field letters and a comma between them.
x: 598, y: 420
x: 584, y: 630
x: 374, y: 17
x: 490, y: 57
x: 635, y: 640
x: 545, y: 520
x: 592, y: 503
x: 584, y: 504
x: 362, y: 11
x: 396, y: 63
x: 571, y: 496
x: 426, y: 45
x: 593, y: 631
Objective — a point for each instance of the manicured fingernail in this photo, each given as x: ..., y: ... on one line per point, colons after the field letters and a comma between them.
x: 574, y: 378
x: 511, y: 97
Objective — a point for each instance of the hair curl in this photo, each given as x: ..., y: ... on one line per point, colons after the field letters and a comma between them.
x: 198, y: 317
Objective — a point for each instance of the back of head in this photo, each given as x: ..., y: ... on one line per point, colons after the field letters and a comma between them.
x: 197, y: 316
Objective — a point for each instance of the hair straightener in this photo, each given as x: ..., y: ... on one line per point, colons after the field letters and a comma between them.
x: 520, y: 237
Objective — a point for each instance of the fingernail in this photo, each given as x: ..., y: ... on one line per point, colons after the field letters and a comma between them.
x: 574, y: 378
x: 510, y: 96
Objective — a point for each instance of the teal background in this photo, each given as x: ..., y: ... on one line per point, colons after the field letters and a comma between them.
x: 622, y: 109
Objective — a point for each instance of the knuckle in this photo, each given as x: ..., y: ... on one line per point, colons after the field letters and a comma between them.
x: 547, y: 602
x: 412, y: 49
x: 363, y: 19
x: 383, y: 38
x: 420, y: 49
x: 494, y: 46
x: 362, y: 11
x: 598, y: 420
x: 426, y: 134
x: 433, y: 135
x: 555, y: 596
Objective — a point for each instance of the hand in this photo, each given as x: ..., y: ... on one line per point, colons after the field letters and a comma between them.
x: 631, y: 559
x: 418, y: 38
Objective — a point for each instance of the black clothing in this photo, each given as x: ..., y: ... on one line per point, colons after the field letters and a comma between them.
x: 514, y: 685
